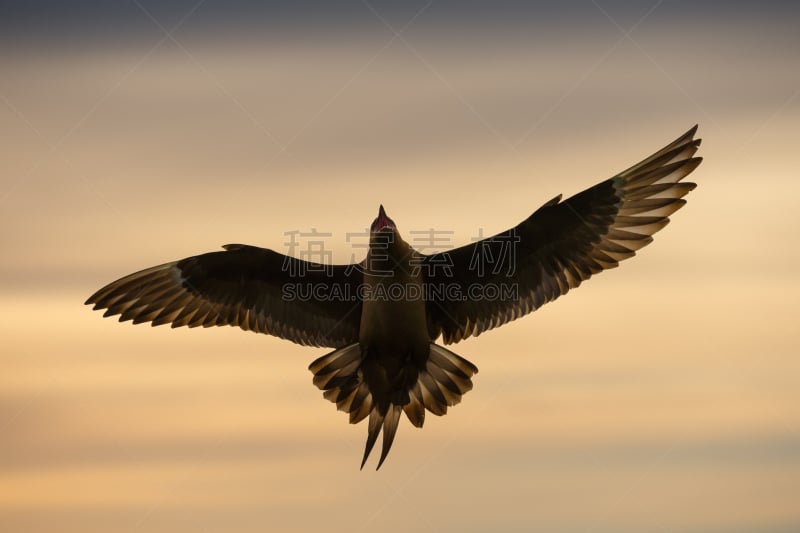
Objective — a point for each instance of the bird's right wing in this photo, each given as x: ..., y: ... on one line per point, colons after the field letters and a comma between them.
x: 483, y: 285
x: 254, y: 288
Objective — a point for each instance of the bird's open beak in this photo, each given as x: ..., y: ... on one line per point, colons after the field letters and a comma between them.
x: 383, y: 221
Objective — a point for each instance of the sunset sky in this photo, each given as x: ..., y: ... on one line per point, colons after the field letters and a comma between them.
x: 662, y: 396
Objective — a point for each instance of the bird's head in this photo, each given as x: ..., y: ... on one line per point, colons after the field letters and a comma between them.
x: 382, y: 222
x: 386, y: 247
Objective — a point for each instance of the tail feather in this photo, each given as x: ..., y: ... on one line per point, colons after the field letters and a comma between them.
x: 445, y: 381
x: 452, y: 362
x: 415, y: 409
x: 430, y: 403
x: 390, y: 422
x: 437, y: 401
x: 362, y: 404
x: 440, y: 384
x: 446, y: 378
x: 336, y: 364
x: 375, y: 424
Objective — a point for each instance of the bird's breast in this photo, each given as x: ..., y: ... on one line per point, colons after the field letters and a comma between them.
x: 393, y: 318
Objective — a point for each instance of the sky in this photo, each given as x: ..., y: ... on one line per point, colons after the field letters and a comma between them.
x: 661, y: 396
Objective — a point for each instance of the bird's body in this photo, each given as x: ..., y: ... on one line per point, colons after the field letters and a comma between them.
x: 393, y: 323
x: 390, y: 369
x: 393, y: 336
x: 386, y: 360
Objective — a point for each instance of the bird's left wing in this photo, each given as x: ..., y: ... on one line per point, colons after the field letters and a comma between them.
x: 254, y: 288
x: 483, y: 285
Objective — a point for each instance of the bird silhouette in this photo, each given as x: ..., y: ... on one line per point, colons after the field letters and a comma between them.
x: 384, y: 315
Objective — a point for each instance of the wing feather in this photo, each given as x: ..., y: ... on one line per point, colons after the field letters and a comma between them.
x: 560, y: 245
x: 242, y: 286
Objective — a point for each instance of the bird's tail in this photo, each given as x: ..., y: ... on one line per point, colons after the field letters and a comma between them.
x: 446, y: 377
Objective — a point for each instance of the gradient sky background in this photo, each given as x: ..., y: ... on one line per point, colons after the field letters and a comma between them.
x: 662, y: 396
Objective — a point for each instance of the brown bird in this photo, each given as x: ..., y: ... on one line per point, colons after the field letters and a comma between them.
x: 384, y: 315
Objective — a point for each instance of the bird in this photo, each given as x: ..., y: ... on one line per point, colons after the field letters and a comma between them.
x: 383, y: 317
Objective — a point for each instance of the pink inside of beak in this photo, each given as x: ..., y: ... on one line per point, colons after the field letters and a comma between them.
x: 383, y: 221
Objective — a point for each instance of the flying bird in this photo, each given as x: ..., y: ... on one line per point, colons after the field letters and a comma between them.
x: 384, y: 315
